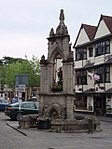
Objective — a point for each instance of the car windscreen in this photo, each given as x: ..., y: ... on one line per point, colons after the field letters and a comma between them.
x: 29, y: 105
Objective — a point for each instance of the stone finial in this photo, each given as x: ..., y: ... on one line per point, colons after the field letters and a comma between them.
x: 51, y: 34
x: 43, y: 61
x: 43, y: 57
x: 61, y: 29
x: 62, y: 15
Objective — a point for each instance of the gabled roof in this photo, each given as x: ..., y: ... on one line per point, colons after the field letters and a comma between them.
x: 108, y: 21
x: 90, y: 31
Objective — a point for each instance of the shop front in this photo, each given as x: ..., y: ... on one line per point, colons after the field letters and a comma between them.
x: 109, y: 105
x: 84, y: 103
x: 99, y: 104
x: 92, y: 103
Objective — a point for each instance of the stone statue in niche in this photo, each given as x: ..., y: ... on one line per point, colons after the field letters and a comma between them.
x: 58, y: 86
x: 60, y: 76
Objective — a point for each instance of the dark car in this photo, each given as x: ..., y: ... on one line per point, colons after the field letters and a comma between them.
x: 16, y: 110
x: 3, y: 104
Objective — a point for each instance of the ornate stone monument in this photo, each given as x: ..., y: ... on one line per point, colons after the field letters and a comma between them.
x: 56, y: 92
x: 56, y: 88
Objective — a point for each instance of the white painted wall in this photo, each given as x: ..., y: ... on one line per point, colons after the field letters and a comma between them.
x: 102, y: 30
x: 83, y: 38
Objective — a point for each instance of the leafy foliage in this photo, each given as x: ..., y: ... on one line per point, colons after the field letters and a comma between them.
x: 10, y: 67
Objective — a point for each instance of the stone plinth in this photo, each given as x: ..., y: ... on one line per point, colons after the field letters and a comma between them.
x: 57, y: 105
x: 59, y: 125
x: 28, y: 121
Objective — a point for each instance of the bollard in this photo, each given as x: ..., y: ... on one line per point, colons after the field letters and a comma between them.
x: 90, y: 125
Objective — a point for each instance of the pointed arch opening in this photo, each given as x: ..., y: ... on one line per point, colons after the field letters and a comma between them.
x: 53, y: 113
x: 57, y: 72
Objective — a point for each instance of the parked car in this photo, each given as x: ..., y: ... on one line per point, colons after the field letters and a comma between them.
x: 18, y: 109
x: 14, y: 100
x: 3, y: 104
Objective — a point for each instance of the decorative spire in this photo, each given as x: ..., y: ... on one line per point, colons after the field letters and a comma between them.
x: 51, y: 34
x: 43, y: 57
x: 62, y: 18
x: 61, y: 29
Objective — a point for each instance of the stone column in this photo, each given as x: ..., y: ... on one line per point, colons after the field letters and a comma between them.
x: 68, y: 77
x: 69, y: 99
x: 43, y: 79
x: 50, y: 77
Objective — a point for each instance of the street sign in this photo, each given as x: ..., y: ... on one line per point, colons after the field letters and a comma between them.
x: 21, y: 88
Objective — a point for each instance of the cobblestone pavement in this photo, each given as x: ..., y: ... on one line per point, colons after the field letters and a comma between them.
x: 36, y: 139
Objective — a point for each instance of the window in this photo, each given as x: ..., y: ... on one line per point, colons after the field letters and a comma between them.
x: 23, y: 105
x: 81, y: 103
x: 102, y: 48
x: 81, y: 54
x: 107, y: 74
x: 31, y: 105
x: 90, y: 52
x: 81, y: 77
x: 104, y: 73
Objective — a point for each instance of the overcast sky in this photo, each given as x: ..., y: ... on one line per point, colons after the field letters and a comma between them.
x: 25, y: 24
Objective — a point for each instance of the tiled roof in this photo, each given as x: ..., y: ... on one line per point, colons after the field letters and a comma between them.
x: 90, y: 30
x: 108, y: 21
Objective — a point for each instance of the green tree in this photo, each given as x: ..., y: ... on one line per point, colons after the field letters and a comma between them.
x: 35, y: 73
x: 2, y: 75
x: 12, y: 67
x: 10, y: 74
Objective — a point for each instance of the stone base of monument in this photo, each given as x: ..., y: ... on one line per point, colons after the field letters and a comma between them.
x: 85, y: 124
x: 80, y: 124
x: 28, y: 121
